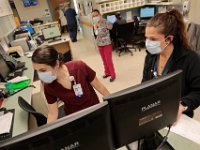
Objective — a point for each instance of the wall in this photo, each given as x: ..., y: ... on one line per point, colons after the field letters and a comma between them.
x: 28, y: 13
x: 87, y: 29
x: 6, y: 19
x: 193, y: 13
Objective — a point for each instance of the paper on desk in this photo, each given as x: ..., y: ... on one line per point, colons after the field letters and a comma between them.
x: 6, y: 122
x: 19, y: 79
x: 188, y: 128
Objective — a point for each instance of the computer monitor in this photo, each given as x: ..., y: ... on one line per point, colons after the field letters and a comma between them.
x: 147, y: 12
x: 141, y: 110
x: 4, y: 70
x: 88, y: 129
x: 51, y: 32
x: 28, y: 28
x: 111, y: 18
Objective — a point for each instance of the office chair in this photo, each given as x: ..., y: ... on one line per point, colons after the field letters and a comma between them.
x: 124, y: 33
x: 138, y: 41
x: 40, y: 118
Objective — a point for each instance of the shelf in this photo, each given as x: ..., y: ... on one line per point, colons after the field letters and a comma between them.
x: 113, y: 6
x: 106, y: 1
x: 163, y: 3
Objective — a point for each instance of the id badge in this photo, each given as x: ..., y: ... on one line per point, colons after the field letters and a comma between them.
x: 96, y: 31
x: 78, y: 90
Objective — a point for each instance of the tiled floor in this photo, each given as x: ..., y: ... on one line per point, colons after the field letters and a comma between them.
x: 128, y: 68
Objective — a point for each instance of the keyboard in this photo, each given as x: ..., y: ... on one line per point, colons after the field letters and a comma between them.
x: 18, y: 72
x: 144, y: 21
x: 54, y: 40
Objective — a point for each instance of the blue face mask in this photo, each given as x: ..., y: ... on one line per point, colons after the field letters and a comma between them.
x: 46, y: 77
x: 153, y: 47
x: 95, y: 19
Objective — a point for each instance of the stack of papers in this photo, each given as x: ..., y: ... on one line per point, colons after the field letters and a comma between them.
x: 6, y: 123
x: 19, y: 79
x: 188, y: 128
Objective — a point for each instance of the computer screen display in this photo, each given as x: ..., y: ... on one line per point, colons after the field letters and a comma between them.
x: 51, y: 32
x: 147, y: 12
x: 29, y: 28
x: 4, y: 69
x: 88, y: 129
x: 111, y: 18
x: 141, y: 110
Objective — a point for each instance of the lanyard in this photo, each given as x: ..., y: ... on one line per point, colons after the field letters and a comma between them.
x: 165, y: 70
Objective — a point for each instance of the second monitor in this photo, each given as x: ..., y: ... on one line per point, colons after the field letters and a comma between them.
x: 138, y: 112
x: 51, y: 33
x: 147, y: 12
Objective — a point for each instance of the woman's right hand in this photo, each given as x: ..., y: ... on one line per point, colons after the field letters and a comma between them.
x: 180, y: 112
x: 53, y: 112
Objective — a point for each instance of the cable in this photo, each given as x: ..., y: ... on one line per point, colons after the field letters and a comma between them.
x: 164, y: 139
x: 138, y: 144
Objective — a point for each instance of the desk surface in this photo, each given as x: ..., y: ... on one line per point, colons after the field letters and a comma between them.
x: 176, y: 141
x: 184, y: 136
x: 21, y: 117
x: 46, y: 24
x: 180, y: 143
x: 63, y: 40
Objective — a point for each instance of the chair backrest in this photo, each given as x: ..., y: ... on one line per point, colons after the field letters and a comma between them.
x: 193, y: 35
x: 40, y: 118
x: 125, y: 31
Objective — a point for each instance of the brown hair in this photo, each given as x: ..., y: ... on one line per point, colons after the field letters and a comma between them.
x: 96, y: 10
x: 47, y: 55
x: 171, y: 23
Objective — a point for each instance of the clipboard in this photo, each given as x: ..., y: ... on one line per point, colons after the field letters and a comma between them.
x: 8, y: 134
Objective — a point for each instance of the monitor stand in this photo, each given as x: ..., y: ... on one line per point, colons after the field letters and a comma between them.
x: 151, y: 143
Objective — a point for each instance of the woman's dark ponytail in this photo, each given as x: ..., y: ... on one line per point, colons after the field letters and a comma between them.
x: 171, y: 23
x: 60, y: 58
x: 181, y: 32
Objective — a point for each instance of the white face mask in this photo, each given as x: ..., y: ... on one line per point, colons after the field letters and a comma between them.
x: 46, y: 77
x: 96, y: 19
x: 153, y: 47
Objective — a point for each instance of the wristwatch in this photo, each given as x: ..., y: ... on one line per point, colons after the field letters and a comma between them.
x: 184, y: 105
